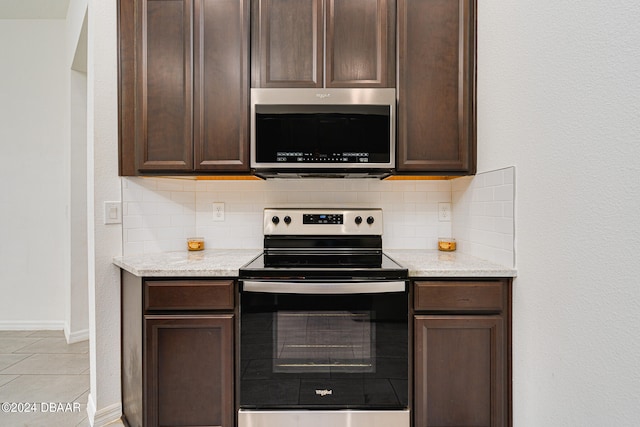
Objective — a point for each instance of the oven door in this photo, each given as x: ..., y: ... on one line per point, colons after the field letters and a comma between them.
x: 324, y: 345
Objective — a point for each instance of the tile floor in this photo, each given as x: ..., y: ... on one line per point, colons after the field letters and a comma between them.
x: 39, y: 367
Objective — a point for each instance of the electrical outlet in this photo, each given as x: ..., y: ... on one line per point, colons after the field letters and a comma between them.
x: 112, y: 212
x: 218, y: 211
x: 444, y: 211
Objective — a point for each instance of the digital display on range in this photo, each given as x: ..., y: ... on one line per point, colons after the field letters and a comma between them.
x: 322, y: 219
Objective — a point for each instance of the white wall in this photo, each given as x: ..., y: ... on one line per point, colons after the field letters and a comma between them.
x: 559, y: 97
x: 77, y: 315
x: 34, y: 151
x: 104, y: 241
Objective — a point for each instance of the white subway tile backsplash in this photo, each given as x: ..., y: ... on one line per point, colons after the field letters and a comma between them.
x: 139, y: 235
x: 156, y: 196
x: 390, y: 197
x: 493, y: 209
x: 156, y: 246
x: 131, y: 248
x: 183, y: 220
x: 504, y: 225
x: 493, y: 179
x: 508, y: 209
x: 183, y: 197
x: 171, y: 185
x: 157, y: 221
x: 483, y: 215
x: 160, y: 213
x: 483, y: 194
x: 504, y: 193
x: 439, y: 196
x: 509, y: 175
x: 369, y: 198
x: 131, y: 221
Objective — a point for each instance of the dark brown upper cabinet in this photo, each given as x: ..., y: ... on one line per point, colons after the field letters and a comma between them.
x: 436, y: 87
x: 323, y: 43
x: 184, y: 84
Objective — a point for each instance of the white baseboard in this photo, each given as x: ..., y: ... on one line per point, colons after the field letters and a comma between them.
x: 91, y: 409
x: 111, y: 415
x: 35, y: 325
x: 77, y: 336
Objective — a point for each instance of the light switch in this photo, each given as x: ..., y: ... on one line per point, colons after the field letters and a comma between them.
x: 112, y: 212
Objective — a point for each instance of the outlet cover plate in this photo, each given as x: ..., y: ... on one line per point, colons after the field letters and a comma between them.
x: 444, y: 211
x: 218, y: 211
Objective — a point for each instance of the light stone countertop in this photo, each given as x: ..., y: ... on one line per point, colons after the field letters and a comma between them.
x: 433, y: 263
x: 226, y: 262
x: 207, y: 263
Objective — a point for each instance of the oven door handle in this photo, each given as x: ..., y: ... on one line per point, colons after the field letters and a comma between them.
x: 377, y: 287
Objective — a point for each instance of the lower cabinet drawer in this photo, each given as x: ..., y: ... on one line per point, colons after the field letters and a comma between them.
x: 476, y: 296
x: 188, y: 295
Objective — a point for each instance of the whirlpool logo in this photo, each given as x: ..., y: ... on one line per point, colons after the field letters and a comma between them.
x: 323, y: 95
x: 324, y: 393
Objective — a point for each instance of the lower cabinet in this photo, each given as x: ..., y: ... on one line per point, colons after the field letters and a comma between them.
x: 189, y: 370
x: 462, y: 353
x: 178, y: 352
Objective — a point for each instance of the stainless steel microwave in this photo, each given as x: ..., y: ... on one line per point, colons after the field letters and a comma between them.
x: 323, y: 132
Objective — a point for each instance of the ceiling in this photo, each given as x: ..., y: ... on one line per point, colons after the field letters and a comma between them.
x: 33, y: 9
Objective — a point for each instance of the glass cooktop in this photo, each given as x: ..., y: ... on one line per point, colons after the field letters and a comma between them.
x: 336, y: 265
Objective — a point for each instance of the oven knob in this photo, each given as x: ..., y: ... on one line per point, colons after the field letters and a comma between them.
x: 287, y: 220
x: 358, y: 220
x: 370, y: 220
x: 275, y: 220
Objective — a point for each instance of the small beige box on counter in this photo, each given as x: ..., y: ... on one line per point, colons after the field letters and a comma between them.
x: 446, y: 244
x: 195, y: 243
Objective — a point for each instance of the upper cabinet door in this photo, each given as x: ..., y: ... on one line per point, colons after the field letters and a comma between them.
x: 287, y: 40
x: 330, y: 43
x: 183, y: 86
x: 164, y: 85
x: 360, y: 41
x: 221, y: 86
x: 436, y: 82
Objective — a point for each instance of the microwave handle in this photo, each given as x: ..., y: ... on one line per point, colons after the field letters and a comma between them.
x: 324, y: 287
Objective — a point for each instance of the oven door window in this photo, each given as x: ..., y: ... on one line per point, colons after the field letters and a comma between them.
x: 324, y: 341
x: 323, y: 351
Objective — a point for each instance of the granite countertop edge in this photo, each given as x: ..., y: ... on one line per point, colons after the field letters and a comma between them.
x: 433, y: 263
x: 227, y: 262
x: 207, y: 263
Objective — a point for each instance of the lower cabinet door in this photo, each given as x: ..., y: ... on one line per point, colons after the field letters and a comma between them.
x: 459, y: 371
x: 188, y: 370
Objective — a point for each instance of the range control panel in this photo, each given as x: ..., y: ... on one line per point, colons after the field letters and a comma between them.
x: 322, y: 219
x: 322, y: 222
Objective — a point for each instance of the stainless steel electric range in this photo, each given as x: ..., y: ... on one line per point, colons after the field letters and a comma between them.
x: 323, y: 324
